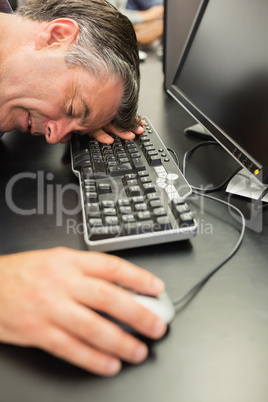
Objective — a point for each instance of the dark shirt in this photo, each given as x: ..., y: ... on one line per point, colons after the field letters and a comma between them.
x: 5, y: 7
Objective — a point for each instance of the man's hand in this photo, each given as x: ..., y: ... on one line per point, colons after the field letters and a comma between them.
x: 103, y: 136
x: 49, y: 299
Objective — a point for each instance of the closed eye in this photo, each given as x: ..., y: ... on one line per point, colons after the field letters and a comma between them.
x: 70, y: 111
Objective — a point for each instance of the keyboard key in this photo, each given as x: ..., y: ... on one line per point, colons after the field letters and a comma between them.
x: 125, y: 210
x: 108, y: 204
x: 109, y: 211
x: 128, y: 218
x: 120, y: 170
x: 133, y: 191
x: 154, y: 160
x: 143, y: 216
x: 95, y: 222
x: 123, y: 202
x: 111, y: 220
x: 148, y: 188
x: 138, y: 164
x: 141, y: 207
x: 104, y: 188
x: 186, y: 219
x: 92, y: 209
x: 164, y: 223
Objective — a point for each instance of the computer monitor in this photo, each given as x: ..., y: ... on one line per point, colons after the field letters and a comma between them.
x: 179, y: 19
x: 222, y: 79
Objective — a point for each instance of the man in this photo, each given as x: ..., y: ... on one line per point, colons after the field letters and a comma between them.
x: 72, y: 66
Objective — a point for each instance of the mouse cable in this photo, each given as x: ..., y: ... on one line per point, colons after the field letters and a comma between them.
x: 190, y: 152
x: 202, y: 193
x: 195, y: 289
x: 258, y: 203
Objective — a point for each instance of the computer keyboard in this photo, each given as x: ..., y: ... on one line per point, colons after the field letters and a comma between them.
x: 132, y: 192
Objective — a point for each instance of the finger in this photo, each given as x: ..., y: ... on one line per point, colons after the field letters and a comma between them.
x: 115, y: 269
x: 102, y: 136
x: 65, y: 346
x: 118, y: 303
x: 126, y: 134
x: 101, y: 334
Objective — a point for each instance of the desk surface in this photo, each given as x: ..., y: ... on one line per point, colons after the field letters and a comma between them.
x: 217, y: 347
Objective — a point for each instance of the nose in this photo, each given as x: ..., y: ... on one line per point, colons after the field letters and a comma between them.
x: 58, y: 131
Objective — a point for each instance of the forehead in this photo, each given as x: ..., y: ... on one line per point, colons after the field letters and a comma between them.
x: 96, y: 99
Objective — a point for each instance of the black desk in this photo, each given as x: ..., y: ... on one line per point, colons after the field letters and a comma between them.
x: 217, y: 347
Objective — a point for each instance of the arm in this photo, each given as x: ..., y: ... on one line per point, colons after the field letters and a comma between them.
x: 48, y: 299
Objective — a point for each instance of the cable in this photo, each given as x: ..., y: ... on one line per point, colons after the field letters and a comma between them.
x: 212, y: 189
x: 174, y: 155
x: 203, y: 193
x: 193, y: 291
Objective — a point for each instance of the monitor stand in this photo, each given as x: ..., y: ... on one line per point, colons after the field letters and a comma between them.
x: 246, y: 185
x: 198, y: 130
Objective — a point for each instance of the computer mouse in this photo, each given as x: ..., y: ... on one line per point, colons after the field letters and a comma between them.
x: 160, y: 305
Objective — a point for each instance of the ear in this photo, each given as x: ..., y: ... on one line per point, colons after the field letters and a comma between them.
x: 59, y: 33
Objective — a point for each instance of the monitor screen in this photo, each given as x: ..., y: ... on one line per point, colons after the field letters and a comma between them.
x: 222, y: 79
x: 179, y: 19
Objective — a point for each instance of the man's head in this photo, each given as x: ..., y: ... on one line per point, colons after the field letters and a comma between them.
x: 97, y: 45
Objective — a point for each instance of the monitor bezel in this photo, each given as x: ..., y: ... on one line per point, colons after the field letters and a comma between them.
x: 257, y: 169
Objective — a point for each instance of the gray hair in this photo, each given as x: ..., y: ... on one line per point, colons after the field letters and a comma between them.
x: 106, y: 46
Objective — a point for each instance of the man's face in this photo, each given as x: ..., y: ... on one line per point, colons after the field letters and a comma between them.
x: 55, y: 101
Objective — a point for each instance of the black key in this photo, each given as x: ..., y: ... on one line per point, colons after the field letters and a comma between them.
x: 138, y: 199
x: 153, y: 196
x: 89, y: 188
x: 186, y: 219
x: 154, y: 160
x: 131, y: 183
x: 87, y: 173
x: 120, y: 170
x: 179, y: 209
x: 125, y: 210
x: 104, y: 188
x: 111, y: 220
x: 90, y: 197
x: 155, y: 203
x: 109, y: 211
x: 141, y: 207
x: 95, y: 222
x: 159, y: 211
x: 108, y: 204
x: 138, y: 164
x: 82, y: 161
x: 146, y: 179
x: 143, y: 173
x: 148, y: 188
x: 133, y: 191
x: 123, y: 202
x: 127, y: 177
x: 144, y: 215
x: 99, y: 167
x: 164, y: 223
x: 92, y: 209
x: 128, y: 218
